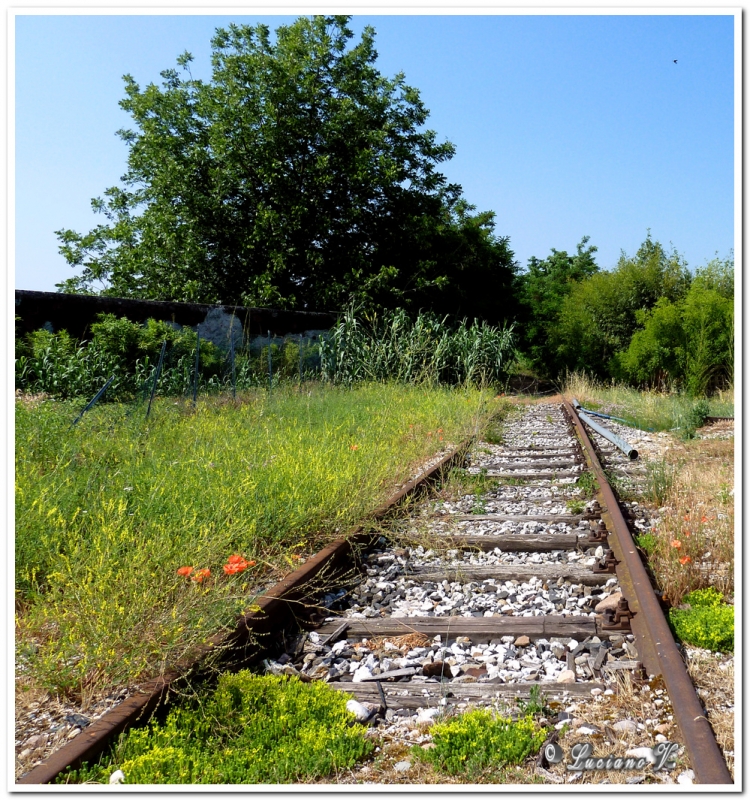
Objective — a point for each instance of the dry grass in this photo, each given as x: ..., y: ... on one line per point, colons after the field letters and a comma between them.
x: 713, y: 676
x: 693, y: 546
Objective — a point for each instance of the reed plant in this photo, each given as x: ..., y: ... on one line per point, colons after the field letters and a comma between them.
x: 109, y: 511
x: 392, y: 346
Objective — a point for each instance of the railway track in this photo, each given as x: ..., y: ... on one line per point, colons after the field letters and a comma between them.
x: 522, y: 588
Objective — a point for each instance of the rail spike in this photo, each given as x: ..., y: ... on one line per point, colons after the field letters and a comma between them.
x: 607, y: 564
x: 598, y: 535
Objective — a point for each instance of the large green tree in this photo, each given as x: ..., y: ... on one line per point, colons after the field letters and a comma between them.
x: 600, y: 314
x: 541, y: 291
x: 298, y: 176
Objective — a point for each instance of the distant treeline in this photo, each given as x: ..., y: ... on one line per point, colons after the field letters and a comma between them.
x: 649, y: 321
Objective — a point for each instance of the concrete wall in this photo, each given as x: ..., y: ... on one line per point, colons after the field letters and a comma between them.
x: 76, y: 312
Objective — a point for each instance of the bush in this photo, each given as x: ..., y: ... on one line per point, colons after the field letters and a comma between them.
x: 252, y: 729
x: 707, y: 623
x: 479, y: 739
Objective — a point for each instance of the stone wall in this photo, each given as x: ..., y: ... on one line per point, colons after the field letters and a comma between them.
x: 75, y: 313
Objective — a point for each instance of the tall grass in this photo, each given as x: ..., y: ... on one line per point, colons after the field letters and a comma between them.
x: 392, y: 346
x: 108, y: 511
x: 658, y: 411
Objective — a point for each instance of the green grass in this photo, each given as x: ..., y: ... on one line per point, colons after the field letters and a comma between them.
x: 106, y: 513
x: 252, y: 729
x: 657, y: 411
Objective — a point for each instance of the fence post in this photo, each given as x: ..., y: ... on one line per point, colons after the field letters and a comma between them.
x: 156, y: 377
x: 231, y: 355
x: 301, y: 344
x: 92, y: 402
x: 270, y: 364
x: 197, y: 362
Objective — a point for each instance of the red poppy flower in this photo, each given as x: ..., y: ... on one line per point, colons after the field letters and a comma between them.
x: 687, y: 517
x: 354, y: 447
x: 676, y: 543
x: 685, y: 560
x: 236, y: 564
x: 201, y: 575
x: 185, y: 571
x: 705, y: 519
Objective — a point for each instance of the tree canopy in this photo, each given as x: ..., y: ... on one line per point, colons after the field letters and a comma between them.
x: 542, y: 290
x: 297, y: 177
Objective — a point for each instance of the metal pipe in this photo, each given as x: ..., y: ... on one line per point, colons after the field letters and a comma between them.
x: 626, y: 448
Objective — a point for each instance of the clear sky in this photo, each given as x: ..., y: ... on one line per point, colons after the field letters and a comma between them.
x: 565, y: 126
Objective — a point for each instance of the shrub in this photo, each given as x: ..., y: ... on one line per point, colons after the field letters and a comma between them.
x: 252, y: 729
x: 707, y: 623
x: 479, y: 739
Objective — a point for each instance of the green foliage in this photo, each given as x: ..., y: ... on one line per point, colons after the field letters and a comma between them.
x: 575, y: 506
x: 297, y: 176
x: 646, y: 541
x: 598, y: 316
x: 252, y: 729
x: 542, y: 290
x: 586, y: 483
x: 535, y: 704
x: 57, y: 365
x: 392, y: 346
x: 688, y: 343
x: 478, y: 740
x: 708, y: 623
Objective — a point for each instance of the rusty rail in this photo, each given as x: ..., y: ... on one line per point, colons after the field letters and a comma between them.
x: 654, y: 639
x: 278, y: 607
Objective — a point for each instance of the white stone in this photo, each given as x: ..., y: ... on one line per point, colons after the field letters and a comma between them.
x: 402, y: 766
x: 118, y: 776
x: 626, y: 725
x: 566, y: 676
x: 360, y: 674
x: 686, y: 777
x: 361, y: 713
x: 426, y: 716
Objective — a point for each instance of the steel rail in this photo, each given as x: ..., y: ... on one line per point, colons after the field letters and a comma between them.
x: 654, y: 640
x: 278, y: 607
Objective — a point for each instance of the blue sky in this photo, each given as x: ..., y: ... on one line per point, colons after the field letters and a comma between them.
x: 564, y: 126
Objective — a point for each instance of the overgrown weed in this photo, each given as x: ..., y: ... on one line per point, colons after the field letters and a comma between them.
x: 106, y: 513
